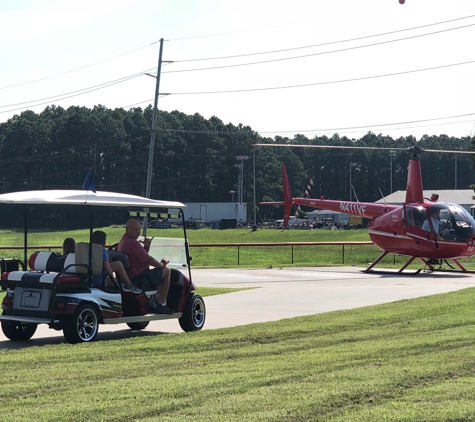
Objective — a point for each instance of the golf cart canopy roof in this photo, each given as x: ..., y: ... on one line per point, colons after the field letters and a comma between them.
x: 82, y: 197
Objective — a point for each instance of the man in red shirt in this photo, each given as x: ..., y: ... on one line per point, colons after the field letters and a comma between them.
x: 140, y: 263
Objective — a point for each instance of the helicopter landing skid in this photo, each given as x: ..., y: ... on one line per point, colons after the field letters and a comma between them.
x: 395, y: 272
x: 429, y: 263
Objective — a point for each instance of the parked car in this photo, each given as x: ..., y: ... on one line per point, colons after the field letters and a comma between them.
x: 57, y: 290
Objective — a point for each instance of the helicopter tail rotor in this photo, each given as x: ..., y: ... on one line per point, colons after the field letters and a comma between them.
x: 306, y: 195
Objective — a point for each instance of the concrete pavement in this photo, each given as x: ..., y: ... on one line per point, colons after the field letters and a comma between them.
x: 283, y: 293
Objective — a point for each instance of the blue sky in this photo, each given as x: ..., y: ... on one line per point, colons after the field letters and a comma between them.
x: 313, y: 67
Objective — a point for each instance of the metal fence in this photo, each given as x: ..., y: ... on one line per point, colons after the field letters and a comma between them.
x: 248, y: 254
x: 285, y: 253
x: 222, y: 255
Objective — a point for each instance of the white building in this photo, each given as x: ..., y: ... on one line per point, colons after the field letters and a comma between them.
x: 215, y: 211
x: 462, y: 197
x: 320, y: 215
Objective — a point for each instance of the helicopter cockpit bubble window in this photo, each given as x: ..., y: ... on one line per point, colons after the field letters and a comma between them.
x: 456, y: 223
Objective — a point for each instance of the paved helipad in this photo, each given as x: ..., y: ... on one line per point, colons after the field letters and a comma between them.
x: 283, y: 293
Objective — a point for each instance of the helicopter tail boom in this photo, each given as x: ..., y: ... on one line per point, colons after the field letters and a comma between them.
x: 364, y: 209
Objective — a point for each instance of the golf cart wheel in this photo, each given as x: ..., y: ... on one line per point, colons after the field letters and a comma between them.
x: 17, y: 331
x: 194, y: 314
x: 83, y: 326
x: 138, y: 325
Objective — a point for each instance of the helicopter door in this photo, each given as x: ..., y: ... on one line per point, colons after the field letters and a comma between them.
x: 413, y: 217
x: 413, y: 221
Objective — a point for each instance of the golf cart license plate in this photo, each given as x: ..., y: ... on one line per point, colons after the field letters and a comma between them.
x: 31, y: 299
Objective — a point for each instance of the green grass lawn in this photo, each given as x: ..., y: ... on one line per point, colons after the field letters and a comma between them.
x: 412, y: 360
x: 15, y: 237
x: 243, y: 256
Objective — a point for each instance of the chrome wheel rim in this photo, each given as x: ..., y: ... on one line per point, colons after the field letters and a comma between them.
x: 87, y: 324
x: 198, y: 312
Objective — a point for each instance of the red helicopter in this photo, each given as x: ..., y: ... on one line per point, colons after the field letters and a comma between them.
x: 428, y: 231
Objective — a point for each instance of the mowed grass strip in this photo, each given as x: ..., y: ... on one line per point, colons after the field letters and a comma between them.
x: 245, y: 256
x: 411, y: 360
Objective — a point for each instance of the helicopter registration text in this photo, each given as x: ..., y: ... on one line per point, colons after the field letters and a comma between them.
x: 353, y: 208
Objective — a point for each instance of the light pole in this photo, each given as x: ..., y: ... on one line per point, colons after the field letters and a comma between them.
x: 241, y: 176
x: 254, y: 224
x: 351, y: 186
x: 391, y: 154
x: 232, y: 195
x: 456, y: 149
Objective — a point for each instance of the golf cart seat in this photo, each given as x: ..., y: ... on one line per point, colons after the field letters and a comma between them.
x: 119, y: 256
x: 46, y: 268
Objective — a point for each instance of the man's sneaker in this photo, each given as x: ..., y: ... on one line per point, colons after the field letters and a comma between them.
x: 162, y: 309
x: 131, y: 288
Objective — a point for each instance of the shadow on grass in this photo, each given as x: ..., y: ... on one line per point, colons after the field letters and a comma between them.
x: 59, y: 339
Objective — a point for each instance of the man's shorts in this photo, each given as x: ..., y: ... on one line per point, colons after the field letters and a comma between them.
x: 148, y: 279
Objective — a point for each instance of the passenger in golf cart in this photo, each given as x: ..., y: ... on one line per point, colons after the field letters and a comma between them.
x: 140, y: 261
x: 109, y: 268
x: 69, y: 246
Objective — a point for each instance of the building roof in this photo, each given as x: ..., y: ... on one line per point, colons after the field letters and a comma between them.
x: 462, y: 197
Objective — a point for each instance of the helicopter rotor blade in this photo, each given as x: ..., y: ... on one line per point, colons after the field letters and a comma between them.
x: 414, y: 149
x: 448, y: 151
x: 328, y: 146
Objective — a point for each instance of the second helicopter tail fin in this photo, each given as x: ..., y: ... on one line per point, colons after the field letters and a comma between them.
x: 288, y: 201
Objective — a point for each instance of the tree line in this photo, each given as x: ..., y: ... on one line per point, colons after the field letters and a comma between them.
x: 195, y: 158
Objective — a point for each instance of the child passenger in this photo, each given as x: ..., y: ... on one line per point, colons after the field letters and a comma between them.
x: 109, y: 268
x: 69, y: 245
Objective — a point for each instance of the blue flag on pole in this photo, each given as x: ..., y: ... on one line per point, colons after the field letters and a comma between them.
x: 88, y: 183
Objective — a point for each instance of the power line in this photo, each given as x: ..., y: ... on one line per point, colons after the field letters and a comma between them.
x: 105, y: 85
x: 126, y: 78
x: 220, y: 34
x: 75, y: 93
x: 373, y: 128
x: 79, y: 68
x: 327, y: 43
x: 320, y: 53
x: 226, y: 57
x: 374, y: 125
x: 325, y: 83
x: 85, y: 169
x: 214, y: 132
x: 100, y: 143
x: 81, y: 149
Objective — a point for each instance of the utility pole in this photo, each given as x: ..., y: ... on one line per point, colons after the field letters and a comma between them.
x: 351, y: 186
x: 254, y: 223
x: 392, y: 154
x: 456, y: 170
x: 241, y: 177
x: 152, y: 134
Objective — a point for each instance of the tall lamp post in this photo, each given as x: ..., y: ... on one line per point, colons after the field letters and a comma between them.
x: 254, y: 224
x: 391, y: 154
x: 241, y: 176
x: 456, y: 155
x: 351, y: 186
